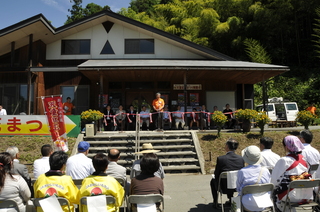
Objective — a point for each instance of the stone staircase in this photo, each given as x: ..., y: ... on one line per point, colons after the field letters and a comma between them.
x: 180, y: 150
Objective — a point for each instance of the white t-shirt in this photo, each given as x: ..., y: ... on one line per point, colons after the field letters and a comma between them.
x: 3, y: 112
x: 79, y: 166
x: 40, y: 166
x: 269, y: 158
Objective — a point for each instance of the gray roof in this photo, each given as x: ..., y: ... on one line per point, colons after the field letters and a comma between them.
x: 177, y: 64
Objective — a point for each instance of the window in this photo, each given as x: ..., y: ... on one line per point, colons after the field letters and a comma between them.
x: 139, y: 46
x: 291, y: 107
x: 75, y: 47
x: 79, y: 97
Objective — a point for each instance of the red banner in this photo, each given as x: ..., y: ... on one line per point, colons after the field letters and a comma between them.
x: 54, y: 111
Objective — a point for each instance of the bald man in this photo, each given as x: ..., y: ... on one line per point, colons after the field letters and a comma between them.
x: 114, y: 169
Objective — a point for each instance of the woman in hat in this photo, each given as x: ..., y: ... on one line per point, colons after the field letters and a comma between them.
x: 135, y: 170
x: 291, y: 165
x: 252, y: 174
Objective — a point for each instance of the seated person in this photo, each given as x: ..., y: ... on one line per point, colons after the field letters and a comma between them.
x: 252, y: 174
x: 12, y: 186
x: 144, y: 117
x: 114, y: 169
x: 229, y: 113
x: 292, y: 164
x: 178, y: 117
x: 228, y: 162
x: 108, y: 120
x: 204, y: 118
x: 54, y: 182
x: 41, y: 166
x: 147, y: 182
x: 136, y: 169
x: 269, y: 158
x: 121, y: 118
x: 132, y: 116
x: 166, y: 117
x: 194, y: 118
x: 99, y: 183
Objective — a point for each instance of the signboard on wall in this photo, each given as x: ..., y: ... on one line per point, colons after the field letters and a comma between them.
x: 189, y: 87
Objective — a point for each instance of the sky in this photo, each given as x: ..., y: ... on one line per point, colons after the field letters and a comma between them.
x: 56, y: 11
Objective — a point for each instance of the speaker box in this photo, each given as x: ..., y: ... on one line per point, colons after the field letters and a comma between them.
x: 89, y: 130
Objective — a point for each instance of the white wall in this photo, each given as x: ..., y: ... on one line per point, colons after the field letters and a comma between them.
x: 220, y: 99
x: 116, y: 37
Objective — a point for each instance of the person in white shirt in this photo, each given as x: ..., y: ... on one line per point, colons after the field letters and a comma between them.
x: 41, y: 166
x: 178, y: 117
x: 3, y: 111
x: 144, y: 117
x: 311, y: 155
x: 269, y: 158
x: 79, y: 166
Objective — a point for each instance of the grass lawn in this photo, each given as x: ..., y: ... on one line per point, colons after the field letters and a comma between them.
x: 211, y: 145
x: 29, y: 147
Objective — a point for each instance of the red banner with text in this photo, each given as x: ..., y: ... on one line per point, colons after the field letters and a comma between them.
x: 54, y: 112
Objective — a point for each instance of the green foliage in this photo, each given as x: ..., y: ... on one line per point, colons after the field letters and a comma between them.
x: 219, y: 119
x: 246, y: 114
x: 305, y: 118
x: 143, y: 5
x: 256, y: 51
x: 316, y: 34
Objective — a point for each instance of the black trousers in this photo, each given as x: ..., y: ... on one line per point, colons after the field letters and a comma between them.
x: 214, y: 190
x: 160, y: 120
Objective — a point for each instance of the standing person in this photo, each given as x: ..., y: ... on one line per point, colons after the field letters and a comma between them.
x: 68, y: 107
x: 100, y: 183
x: 18, y: 168
x: 228, y: 162
x: 166, y: 117
x: 228, y: 112
x: 312, y: 108
x: 3, y: 111
x: 311, y: 154
x: 12, y: 187
x: 108, y: 113
x: 54, y: 182
x: 178, y: 117
x: 144, y: 117
x: 121, y: 118
x: 114, y: 169
x: 204, y: 118
x: 194, y: 118
x: 41, y: 166
x: 79, y: 166
x: 252, y: 174
x: 269, y: 158
x: 293, y: 164
x: 158, y: 105
x: 133, y: 117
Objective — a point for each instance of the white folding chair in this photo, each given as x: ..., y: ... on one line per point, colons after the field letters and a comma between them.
x: 223, y: 175
x: 257, y: 188
x: 9, y: 204
x: 110, y: 200
x: 146, y: 199
x: 62, y: 201
x: 300, y: 184
x: 313, y: 168
x: 123, y: 183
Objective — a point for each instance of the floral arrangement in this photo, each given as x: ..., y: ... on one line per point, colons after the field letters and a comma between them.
x: 91, y: 115
x: 219, y: 119
x: 305, y: 118
x: 262, y: 119
x: 246, y: 114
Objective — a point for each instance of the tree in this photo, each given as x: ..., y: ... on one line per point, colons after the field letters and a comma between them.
x: 143, y: 5
x: 316, y: 34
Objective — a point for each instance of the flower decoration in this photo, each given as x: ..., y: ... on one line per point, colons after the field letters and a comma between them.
x: 262, y: 119
x: 246, y: 114
x: 219, y: 119
x: 91, y: 115
x: 305, y: 118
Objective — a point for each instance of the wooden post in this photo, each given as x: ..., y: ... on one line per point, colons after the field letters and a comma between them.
x: 243, y: 97
x: 185, y: 97
x: 29, y: 73
x: 12, y: 53
x: 264, y: 95
x: 101, y: 97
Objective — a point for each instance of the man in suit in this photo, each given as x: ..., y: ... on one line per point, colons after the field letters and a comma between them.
x: 132, y: 116
x: 17, y: 167
x: 114, y: 169
x: 228, y: 162
x: 108, y: 126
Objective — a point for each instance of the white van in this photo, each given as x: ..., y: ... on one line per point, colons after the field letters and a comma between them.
x: 281, y: 110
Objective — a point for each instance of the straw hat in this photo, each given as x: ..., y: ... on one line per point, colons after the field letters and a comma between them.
x: 252, y: 155
x: 147, y: 148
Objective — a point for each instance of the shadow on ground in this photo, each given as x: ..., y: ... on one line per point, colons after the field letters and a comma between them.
x: 207, y: 208
x: 253, y: 136
x: 209, y: 137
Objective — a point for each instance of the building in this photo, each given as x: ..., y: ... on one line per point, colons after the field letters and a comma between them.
x: 123, y: 60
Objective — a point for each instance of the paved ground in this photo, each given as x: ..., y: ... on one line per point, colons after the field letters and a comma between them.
x: 188, y: 193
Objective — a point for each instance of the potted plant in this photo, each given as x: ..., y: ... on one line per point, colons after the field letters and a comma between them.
x: 262, y: 119
x: 305, y: 118
x: 219, y: 119
x: 246, y: 115
x: 89, y: 117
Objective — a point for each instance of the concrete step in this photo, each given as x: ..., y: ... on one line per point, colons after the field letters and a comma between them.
x: 164, y: 160
x: 160, y: 154
x: 133, y: 147
x: 141, y: 141
x: 181, y: 167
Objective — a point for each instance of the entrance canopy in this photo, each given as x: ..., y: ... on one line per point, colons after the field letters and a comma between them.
x: 198, y: 70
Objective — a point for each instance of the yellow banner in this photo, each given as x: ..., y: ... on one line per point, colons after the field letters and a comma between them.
x: 29, y: 125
